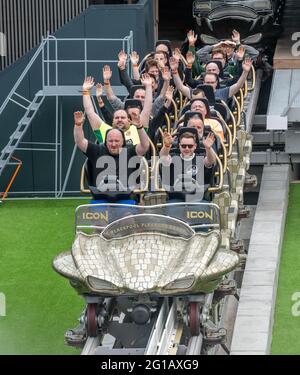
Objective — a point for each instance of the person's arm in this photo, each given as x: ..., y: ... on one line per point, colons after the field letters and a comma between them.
x: 177, y: 80
x: 146, y: 112
x: 236, y: 69
x: 94, y: 119
x: 134, y: 57
x: 240, y: 83
x: 166, y: 76
x: 159, y: 101
x: 159, y: 118
x: 196, y: 65
x: 107, y: 74
x: 114, y: 101
x: 203, y: 53
x: 123, y: 75
x: 190, y: 58
x: 80, y: 140
x: 107, y: 115
x: 144, y: 144
x: 251, y: 52
x: 125, y: 79
x: 164, y: 153
x: 210, y: 156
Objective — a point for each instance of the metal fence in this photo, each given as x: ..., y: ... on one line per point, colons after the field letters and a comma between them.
x: 23, y: 23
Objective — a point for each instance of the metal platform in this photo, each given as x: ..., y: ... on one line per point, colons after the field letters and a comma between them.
x: 285, y: 94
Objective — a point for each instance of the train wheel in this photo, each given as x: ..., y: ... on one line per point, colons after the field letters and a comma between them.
x: 194, y: 318
x: 91, y: 320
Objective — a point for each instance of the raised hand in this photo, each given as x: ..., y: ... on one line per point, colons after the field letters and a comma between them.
x: 169, y: 95
x: 167, y: 139
x: 135, y: 117
x: 247, y: 64
x: 122, y: 59
x: 146, y: 80
x: 192, y: 38
x: 79, y: 118
x: 190, y: 58
x: 107, y: 73
x: 240, y: 53
x: 229, y: 43
x: 99, y: 90
x: 88, y: 83
x: 135, y: 58
x: 209, y: 141
x: 173, y: 63
x: 177, y: 54
x: 166, y: 75
x: 236, y: 38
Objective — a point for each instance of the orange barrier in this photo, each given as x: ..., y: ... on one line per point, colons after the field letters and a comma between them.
x: 4, y: 195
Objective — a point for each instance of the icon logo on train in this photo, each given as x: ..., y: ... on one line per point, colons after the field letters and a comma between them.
x: 2, y: 305
x: 3, y: 44
x: 296, y: 306
x: 199, y: 215
x: 296, y: 46
x: 95, y: 216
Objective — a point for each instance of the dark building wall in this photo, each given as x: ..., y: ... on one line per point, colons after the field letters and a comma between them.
x: 99, y: 21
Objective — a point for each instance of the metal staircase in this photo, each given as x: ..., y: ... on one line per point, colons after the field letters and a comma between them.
x: 50, y: 86
x: 30, y: 108
x: 20, y: 131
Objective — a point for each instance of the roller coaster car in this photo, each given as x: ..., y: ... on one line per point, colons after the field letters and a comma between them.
x: 145, y: 253
x: 255, y: 13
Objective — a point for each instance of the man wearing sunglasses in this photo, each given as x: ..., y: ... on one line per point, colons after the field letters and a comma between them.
x: 189, y: 162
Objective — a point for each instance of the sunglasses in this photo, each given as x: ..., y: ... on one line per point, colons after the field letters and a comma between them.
x: 210, y: 83
x: 186, y: 146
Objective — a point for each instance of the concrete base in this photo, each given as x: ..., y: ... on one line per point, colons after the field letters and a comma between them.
x: 254, y: 321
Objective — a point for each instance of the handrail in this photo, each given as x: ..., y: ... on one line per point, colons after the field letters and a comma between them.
x: 238, y: 110
x: 229, y: 134
x: 234, y: 124
x: 168, y: 122
x: 34, y: 57
x: 54, y: 61
x: 214, y: 189
x: 253, y: 79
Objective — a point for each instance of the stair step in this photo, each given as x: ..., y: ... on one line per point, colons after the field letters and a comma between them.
x: 16, y: 135
x: 24, y: 121
x: 3, y: 157
x: 34, y: 106
x: 8, y: 149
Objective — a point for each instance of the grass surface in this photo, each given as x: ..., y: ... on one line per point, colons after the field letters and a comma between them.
x: 40, y: 304
x: 286, y: 331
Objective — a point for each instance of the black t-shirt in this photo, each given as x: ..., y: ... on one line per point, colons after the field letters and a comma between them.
x: 192, y: 169
x: 106, y: 167
x: 222, y: 94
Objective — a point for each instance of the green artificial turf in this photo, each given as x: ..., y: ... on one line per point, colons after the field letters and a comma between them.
x: 286, y: 331
x: 40, y: 304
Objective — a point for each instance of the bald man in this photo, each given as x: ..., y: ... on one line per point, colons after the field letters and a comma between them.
x: 112, y: 157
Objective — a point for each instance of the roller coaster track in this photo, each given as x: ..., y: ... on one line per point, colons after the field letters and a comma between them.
x: 166, y: 334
